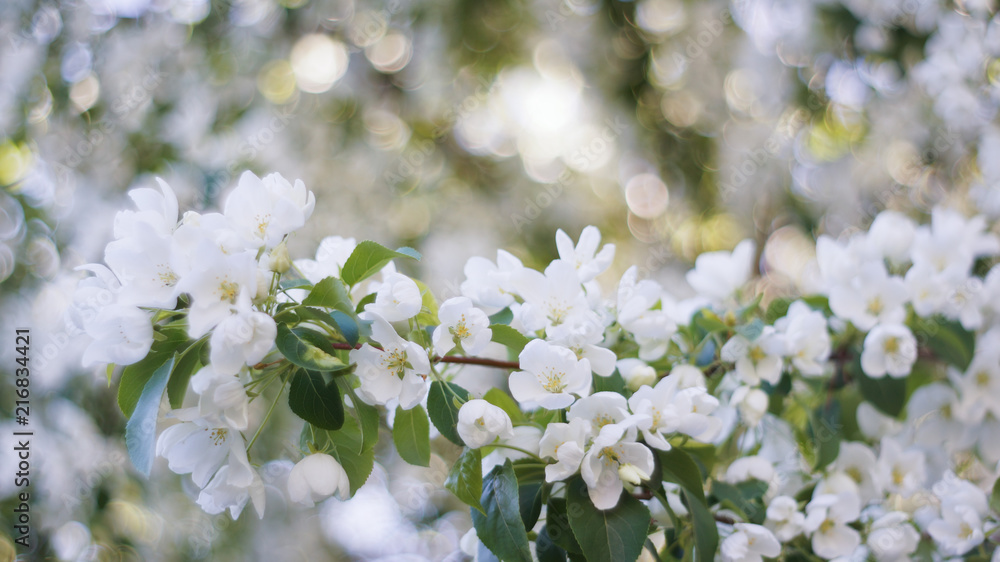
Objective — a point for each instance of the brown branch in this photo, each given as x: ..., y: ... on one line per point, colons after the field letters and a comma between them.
x: 482, y: 361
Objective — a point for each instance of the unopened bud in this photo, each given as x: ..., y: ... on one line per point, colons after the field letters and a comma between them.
x: 639, y: 376
x: 278, y: 260
x: 631, y: 474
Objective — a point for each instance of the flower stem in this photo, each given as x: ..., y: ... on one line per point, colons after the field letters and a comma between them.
x: 267, y: 416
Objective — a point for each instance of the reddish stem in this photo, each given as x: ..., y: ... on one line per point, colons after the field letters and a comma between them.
x: 483, y: 361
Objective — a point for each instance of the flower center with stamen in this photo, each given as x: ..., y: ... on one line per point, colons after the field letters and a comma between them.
x: 875, y: 306
x: 826, y: 525
x: 601, y: 420
x: 552, y: 380
x: 218, y: 435
x: 460, y: 330
x: 891, y: 345
x: 982, y: 378
x: 855, y: 474
x: 228, y: 291
x: 757, y: 354
x: 263, y: 221
x: 898, y: 475
x: 395, y: 362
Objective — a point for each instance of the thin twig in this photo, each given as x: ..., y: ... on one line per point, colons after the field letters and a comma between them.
x: 483, y: 361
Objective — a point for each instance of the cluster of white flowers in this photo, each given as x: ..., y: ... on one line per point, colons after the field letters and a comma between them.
x: 629, y: 375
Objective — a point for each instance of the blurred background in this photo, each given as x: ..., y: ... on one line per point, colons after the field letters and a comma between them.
x: 456, y: 127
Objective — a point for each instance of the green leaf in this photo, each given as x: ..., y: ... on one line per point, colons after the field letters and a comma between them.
x: 947, y: 339
x: 307, y: 349
x: 604, y: 535
x: 500, y: 528
x: 505, y: 402
x: 370, y: 257
x: 887, y: 393
x: 777, y: 309
x: 825, y: 431
x: 503, y: 317
x: 366, y: 414
x: 140, y: 431
x: 557, y: 524
x: 547, y: 550
x: 709, y: 321
x: 530, y: 503
x: 505, y: 335
x: 465, y: 479
x: 316, y: 400
x: 611, y: 383
x: 752, y: 330
x: 187, y: 364
x: 331, y: 293
x: 411, y: 435
x: 348, y: 326
x: 428, y: 315
x: 706, y: 534
x: 744, y: 498
x: 679, y: 468
x: 135, y: 376
x: 442, y: 408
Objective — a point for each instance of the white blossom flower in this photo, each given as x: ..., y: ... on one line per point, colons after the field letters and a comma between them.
x: 612, y: 459
x: 754, y: 467
x: 757, y: 360
x: 807, y: 341
x: 242, y: 338
x: 901, y: 471
x: 143, y: 263
x: 891, y: 236
x: 638, y: 314
x: 889, y: 349
x: 480, y: 423
x: 397, y: 371
x: 488, y: 283
x: 398, y: 298
x: 668, y: 408
x: 222, y: 400
x: 549, y: 299
x: 752, y: 404
x: 122, y: 335
x: 231, y: 488
x: 959, y: 530
x: 581, y: 332
x: 585, y: 259
x: 566, y: 443
x: 870, y: 298
x: 826, y: 522
x: 550, y: 377
x: 636, y: 373
x: 461, y: 323
x: 718, y: 275
x: 784, y: 518
x: 265, y: 209
x: 216, y: 285
x: 857, y: 461
x: 153, y: 209
x: 200, y: 448
x: 892, y: 538
x: 749, y: 543
x: 317, y: 477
